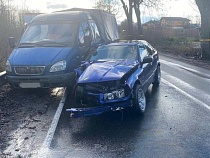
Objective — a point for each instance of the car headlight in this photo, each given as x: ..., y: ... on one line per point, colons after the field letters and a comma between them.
x: 8, y: 66
x: 59, y: 66
x: 117, y: 94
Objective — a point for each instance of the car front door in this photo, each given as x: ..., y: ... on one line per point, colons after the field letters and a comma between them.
x: 146, y: 75
x: 153, y: 53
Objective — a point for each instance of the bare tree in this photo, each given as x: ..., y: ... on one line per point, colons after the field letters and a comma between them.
x: 110, y: 6
x: 128, y: 9
x: 153, y: 4
x: 11, y: 25
x: 204, y: 7
x: 136, y: 5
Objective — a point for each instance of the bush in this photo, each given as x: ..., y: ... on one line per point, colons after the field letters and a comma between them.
x: 11, y: 25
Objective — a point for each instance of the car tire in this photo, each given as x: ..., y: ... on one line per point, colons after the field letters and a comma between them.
x: 157, y: 77
x: 139, y: 101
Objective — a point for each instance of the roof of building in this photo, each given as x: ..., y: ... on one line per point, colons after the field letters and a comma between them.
x: 174, y: 18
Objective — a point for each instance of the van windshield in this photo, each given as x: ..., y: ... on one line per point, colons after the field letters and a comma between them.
x: 62, y: 34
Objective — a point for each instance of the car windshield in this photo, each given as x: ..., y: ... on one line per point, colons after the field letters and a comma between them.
x: 114, y: 52
x: 49, y: 34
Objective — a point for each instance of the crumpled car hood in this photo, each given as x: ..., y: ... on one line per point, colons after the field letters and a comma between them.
x: 106, y: 71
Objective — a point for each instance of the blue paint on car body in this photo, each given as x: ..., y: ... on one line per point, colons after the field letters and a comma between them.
x: 108, y: 76
x: 106, y: 71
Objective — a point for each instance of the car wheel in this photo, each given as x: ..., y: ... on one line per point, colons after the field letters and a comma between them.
x: 139, y: 101
x: 157, y: 77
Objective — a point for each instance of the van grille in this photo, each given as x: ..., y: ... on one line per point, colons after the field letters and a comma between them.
x: 29, y: 70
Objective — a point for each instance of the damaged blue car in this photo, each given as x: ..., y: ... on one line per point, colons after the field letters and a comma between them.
x: 116, y: 76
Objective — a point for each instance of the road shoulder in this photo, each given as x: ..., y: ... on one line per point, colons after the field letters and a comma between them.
x: 193, y: 61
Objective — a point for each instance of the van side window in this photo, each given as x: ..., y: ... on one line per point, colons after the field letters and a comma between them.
x: 96, y: 35
x: 84, y: 30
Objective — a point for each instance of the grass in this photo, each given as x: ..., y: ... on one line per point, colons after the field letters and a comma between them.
x: 180, y: 46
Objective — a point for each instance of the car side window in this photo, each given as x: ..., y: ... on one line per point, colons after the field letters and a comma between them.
x: 150, y: 51
x: 143, y: 52
x: 96, y: 34
x: 84, y: 30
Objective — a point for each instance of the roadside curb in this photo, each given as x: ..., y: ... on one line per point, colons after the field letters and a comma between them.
x: 2, y: 78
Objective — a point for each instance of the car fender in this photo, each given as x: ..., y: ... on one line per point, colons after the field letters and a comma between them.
x: 134, y: 78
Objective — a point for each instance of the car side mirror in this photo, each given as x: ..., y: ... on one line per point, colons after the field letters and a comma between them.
x: 147, y: 59
x: 11, y: 42
x: 87, y: 41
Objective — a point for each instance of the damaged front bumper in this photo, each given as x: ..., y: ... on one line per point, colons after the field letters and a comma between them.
x: 81, y: 112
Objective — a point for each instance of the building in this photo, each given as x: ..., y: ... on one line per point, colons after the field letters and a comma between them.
x: 175, y: 22
x: 151, y: 24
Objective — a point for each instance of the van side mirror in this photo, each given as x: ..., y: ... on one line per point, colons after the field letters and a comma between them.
x: 87, y: 41
x: 147, y: 59
x: 11, y: 41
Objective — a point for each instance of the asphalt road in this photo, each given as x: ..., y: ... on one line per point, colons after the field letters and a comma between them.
x: 176, y: 123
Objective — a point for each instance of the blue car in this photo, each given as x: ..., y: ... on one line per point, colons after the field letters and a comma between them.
x: 115, y: 76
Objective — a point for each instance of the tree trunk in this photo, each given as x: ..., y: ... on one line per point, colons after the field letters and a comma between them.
x: 138, y: 18
x: 204, y: 7
x: 130, y: 21
x: 128, y: 12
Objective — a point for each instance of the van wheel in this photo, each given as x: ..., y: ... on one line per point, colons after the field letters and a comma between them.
x: 139, y: 100
x: 157, y: 77
x: 79, y: 94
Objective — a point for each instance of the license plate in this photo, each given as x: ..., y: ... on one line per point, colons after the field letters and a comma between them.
x: 30, y: 85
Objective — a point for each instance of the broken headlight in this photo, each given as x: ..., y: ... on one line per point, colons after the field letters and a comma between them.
x: 117, y: 94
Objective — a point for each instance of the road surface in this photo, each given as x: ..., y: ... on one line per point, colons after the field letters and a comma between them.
x: 176, y: 123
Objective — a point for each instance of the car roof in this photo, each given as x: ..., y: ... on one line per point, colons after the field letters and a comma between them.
x: 127, y: 43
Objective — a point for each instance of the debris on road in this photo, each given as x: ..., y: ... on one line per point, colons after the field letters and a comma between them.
x: 24, y: 116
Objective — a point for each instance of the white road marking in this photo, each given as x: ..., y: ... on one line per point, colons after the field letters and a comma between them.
x: 186, y: 94
x: 2, y: 73
x: 186, y: 68
x: 48, y: 139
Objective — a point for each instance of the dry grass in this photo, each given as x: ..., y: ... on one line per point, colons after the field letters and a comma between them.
x: 4, y: 54
x: 2, y: 63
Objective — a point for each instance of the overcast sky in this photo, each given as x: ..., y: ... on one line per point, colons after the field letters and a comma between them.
x: 51, y: 5
x: 173, y: 8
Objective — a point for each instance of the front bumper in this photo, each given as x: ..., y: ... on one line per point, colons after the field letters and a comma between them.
x: 50, y: 81
x: 81, y: 112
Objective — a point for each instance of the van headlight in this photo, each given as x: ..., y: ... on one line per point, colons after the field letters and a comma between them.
x: 8, y: 66
x: 117, y: 94
x: 59, y: 66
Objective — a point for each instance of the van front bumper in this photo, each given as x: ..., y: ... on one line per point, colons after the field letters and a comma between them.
x: 50, y: 81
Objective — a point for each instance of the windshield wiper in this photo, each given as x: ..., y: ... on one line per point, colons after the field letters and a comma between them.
x: 47, y: 43
x: 26, y: 44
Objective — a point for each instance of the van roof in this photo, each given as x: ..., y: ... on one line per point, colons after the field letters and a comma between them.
x: 62, y: 16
